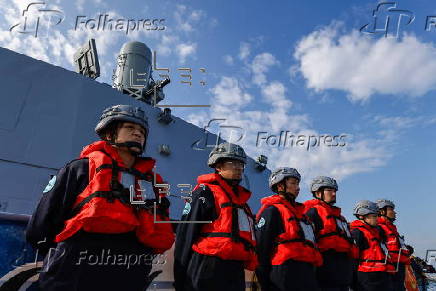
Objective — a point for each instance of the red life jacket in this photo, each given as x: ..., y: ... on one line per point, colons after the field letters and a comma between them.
x: 298, y: 240
x: 335, y: 234
x: 395, y: 244
x: 372, y: 259
x: 231, y: 235
x: 105, y: 206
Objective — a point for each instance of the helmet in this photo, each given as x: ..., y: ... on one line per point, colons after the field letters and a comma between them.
x: 365, y: 207
x: 280, y: 174
x: 226, y: 151
x: 382, y: 203
x: 125, y: 113
x: 323, y: 181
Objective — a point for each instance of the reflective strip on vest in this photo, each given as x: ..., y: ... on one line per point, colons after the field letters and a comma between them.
x: 127, y: 180
x: 308, y: 231
x: 245, y: 222
x: 147, y: 191
x: 385, y: 249
x: 342, y: 225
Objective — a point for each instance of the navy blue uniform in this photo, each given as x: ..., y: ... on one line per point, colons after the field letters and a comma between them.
x: 336, y: 272
x: 291, y: 275
x: 194, y: 271
x: 369, y: 281
x: 85, y: 261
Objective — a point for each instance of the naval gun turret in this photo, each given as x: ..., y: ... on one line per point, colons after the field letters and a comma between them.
x: 133, y: 75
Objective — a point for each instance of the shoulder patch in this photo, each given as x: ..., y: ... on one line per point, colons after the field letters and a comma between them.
x: 187, y: 208
x: 261, y: 222
x: 50, y: 184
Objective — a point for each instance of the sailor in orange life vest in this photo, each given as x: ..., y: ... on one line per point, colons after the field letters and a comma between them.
x: 332, y: 234
x: 372, y: 263
x: 286, y: 245
x: 101, y: 240
x: 398, y: 252
x: 212, y: 256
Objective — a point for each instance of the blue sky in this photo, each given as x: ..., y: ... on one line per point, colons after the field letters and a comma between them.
x: 297, y: 66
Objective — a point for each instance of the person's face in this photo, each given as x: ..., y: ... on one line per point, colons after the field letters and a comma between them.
x: 291, y: 185
x: 390, y: 213
x: 230, y: 169
x: 131, y: 132
x: 371, y: 219
x: 329, y: 195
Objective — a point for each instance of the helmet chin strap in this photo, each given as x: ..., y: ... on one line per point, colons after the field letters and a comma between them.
x: 233, y: 182
x: 288, y: 195
x: 388, y: 218
x: 130, y: 145
x: 323, y: 200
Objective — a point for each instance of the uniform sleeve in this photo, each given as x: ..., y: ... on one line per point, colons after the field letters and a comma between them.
x: 360, y: 239
x: 314, y: 217
x: 56, y: 203
x: 201, y: 208
x: 268, y: 227
x: 362, y: 244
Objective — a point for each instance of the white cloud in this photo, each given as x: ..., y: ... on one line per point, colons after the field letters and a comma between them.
x: 186, y: 49
x: 166, y: 44
x: 186, y: 19
x: 260, y: 66
x: 228, y: 59
x: 79, y: 5
x: 391, y: 128
x: 362, y: 66
x: 244, y: 50
x: 274, y: 93
x: 228, y: 92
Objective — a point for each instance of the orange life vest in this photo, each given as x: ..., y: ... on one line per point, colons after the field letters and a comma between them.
x: 395, y: 244
x: 298, y: 240
x: 374, y: 258
x: 231, y: 235
x: 335, y: 234
x: 105, y: 206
